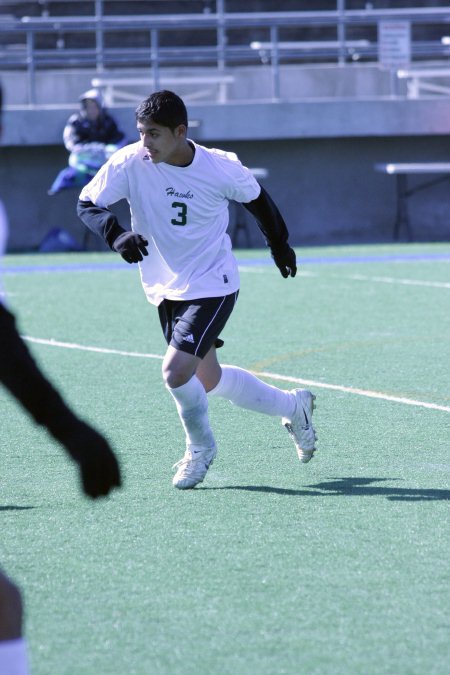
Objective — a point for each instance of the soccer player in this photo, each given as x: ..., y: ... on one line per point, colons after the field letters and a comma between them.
x: 98, y: 466
x: 178, y: 192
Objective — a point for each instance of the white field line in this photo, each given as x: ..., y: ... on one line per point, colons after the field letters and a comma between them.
x: 272, y: 376
x: 354, y: 390
x: 84, y: 348
x: 356, y: 277
x: 262, y: 269
x: 405, y: 282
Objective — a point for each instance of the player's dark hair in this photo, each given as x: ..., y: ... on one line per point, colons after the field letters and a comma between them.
x: 164, y: 108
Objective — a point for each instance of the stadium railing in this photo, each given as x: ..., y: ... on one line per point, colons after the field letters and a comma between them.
x: 218, y: 40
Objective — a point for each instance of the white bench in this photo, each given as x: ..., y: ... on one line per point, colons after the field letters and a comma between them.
x: 116, y: 89
x: 401, y: 170
x: 265, y: 48
x: 416, y: 81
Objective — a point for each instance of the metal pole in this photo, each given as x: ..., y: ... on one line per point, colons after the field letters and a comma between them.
x: 99, y: 62
x: 31, y: 80
x: 221, y: 35
x: 275, y: 62
x: 155, y: 57
x: 341, y: 31
x: 393, y: 82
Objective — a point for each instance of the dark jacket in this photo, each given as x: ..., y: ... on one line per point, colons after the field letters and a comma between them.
x: 80, y: 130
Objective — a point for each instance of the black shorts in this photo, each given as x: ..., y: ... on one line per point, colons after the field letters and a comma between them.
x: 193, y: 326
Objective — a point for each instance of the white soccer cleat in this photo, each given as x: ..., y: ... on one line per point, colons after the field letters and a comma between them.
x: 192, y: 468
x: 300, y: 427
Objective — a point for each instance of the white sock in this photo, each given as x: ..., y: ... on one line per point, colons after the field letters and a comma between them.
x: 192, y: 406
x: 247, y: 391
x: 13, y: 657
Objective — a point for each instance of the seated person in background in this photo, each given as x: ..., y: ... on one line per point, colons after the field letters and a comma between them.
x: 91, y: 136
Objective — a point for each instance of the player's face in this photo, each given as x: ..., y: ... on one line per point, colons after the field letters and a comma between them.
x: 163, y: 144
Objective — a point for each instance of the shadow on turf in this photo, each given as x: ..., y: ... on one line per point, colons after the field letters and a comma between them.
x: 350, y: 487
x: 13, y: 507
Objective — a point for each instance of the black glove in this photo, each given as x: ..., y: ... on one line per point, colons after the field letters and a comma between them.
x: 285, y: 260
x: 99, y: 469
x: 131, y: 246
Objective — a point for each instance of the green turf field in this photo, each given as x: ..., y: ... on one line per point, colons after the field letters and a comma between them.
x: 269, y: 567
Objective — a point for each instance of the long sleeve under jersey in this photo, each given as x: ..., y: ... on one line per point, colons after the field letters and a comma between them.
x: 269, y: 220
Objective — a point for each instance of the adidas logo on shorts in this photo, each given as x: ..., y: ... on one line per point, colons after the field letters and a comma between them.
x: 189, y: 338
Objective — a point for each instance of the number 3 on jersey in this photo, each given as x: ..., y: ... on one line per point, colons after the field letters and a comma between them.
x: 181, y: 214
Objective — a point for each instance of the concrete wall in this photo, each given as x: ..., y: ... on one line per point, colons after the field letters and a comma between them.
x: 326, y: 188
x: 320, y: 155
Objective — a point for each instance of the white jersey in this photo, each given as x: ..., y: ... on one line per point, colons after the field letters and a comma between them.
x: 183, y: 213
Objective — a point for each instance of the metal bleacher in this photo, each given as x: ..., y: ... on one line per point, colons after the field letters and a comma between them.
x: 202, y: 39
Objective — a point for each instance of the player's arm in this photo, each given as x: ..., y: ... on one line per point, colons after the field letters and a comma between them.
x: 273, y: 227
x: 102, y: 221
x: 20, y: 374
